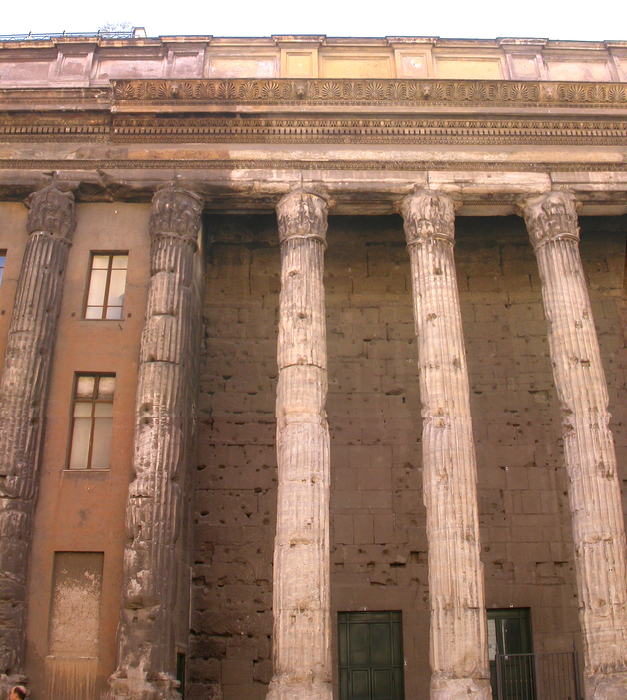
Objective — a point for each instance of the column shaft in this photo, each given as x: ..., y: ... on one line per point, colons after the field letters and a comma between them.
x: 164, y: 433
x: 458, y: 651
x: 593, y: 486
x: 23, y: 398
x: 301, y: 594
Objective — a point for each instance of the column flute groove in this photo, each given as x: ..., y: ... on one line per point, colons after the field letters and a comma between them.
x: 458, y: 638
x: 23, y: 399
x: 301, y: 592
x: 164, y: 435
x: 589, y: 453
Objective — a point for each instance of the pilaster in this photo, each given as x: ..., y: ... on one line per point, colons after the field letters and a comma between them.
x: 593, y: 486
x: 23, y: 399
x: 155, y: 556
x: 301, y: 593
x: 458, y: 643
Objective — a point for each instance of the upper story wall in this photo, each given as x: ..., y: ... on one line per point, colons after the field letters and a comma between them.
x: 94, y: 61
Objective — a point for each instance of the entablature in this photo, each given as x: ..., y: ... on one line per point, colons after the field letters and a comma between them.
x: 364, y: 189
x: 320, y: 111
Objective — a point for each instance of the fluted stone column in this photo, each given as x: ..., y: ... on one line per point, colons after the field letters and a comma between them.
x: 23, y: 397
x: 301, y: 595
x: 458, y: 648
x: 164, y: 427
x: 593, y: 486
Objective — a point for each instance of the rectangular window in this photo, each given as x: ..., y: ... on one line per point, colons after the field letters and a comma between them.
x: 3, y: 257
x: 107, y: 281
x: 370, y: 647
x: 92, y: 418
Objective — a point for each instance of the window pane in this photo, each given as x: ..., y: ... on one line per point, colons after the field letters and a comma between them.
x: 512, y: 642
x: 492, y: 648
x: 103, y: 410
x: 85, y: 387
x: 114, y: 313
x: 102, y: 441
x: 100, y: 262
x: 80, y: 442
x: 106, y: 387
x: 116, y: 288
x: 82, y: 410
x: 97, y: 286
x: 93, y: 312
x: 120, y: 262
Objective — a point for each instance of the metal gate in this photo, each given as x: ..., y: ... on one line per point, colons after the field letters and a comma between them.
x: 538, y: 676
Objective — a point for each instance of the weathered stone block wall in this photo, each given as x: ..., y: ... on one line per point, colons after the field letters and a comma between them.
x: 236, y: 481
x: 379, y: 547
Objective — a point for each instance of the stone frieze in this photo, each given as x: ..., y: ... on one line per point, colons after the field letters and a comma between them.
x: 371, y: 92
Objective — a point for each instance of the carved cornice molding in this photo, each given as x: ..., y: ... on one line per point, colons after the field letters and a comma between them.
x: 324, y: 130
x: 52, y: 211
x: 94, y: 165
x: 382, y: 92
x: 551, y: 217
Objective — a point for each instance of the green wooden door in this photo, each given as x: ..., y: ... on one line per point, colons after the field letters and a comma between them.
x: 371, y: 656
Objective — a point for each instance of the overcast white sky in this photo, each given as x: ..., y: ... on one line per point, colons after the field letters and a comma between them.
x: 577, y: 19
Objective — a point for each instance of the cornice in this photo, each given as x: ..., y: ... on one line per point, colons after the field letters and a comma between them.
x: 300, y: 129
x: 380, y: 93
x: 95, y: 165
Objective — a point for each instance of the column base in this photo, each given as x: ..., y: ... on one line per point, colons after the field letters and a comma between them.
x: 136, y: 686
x: 288, y: 689
x: 447, y: 688
x: 607, y: 686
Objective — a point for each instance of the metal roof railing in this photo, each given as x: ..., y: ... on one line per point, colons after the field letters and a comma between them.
x: 134, y: 33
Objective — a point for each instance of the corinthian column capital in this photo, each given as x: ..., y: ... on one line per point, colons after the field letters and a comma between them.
x: 176, y: 212
x: 53, y: 211
x: 428, y: 214
x: 551, y: 216
x: 302, y: 214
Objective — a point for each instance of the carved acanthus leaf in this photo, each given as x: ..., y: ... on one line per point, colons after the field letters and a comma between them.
x: 53, y: 211
x: 176, y: 211
x: 428, y: 214
x: 550, y: 217
x: 302, y: 214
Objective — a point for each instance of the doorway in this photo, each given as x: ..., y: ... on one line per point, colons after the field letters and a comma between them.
x: 509, y: 634
x: 371, y: 655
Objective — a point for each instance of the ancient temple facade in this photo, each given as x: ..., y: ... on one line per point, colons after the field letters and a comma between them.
x: 314, y: 368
